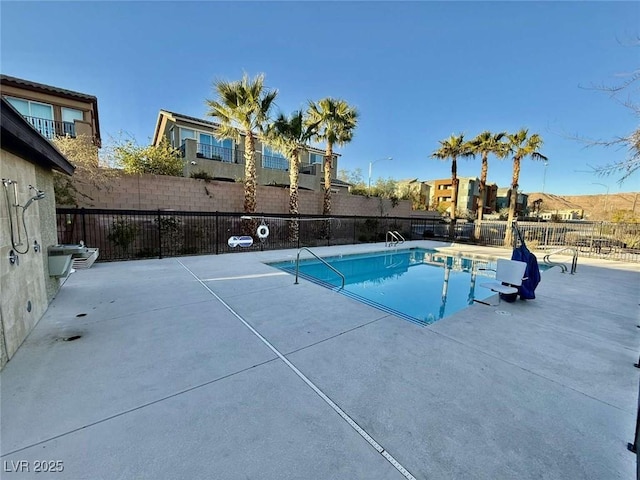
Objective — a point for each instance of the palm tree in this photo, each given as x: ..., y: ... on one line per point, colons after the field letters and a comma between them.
x: 520, y: 145
x: 242, y: 107
x: 289, y: 136
x: 484, y: 144
x: 453, y: 147
x: 334, y: 122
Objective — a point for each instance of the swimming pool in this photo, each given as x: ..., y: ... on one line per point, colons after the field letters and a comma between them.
x: 417, y: 284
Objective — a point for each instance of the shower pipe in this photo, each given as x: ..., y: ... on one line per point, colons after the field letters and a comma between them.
x: 39, y: 195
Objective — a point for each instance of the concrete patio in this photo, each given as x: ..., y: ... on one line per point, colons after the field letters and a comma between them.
x: 219, y: 367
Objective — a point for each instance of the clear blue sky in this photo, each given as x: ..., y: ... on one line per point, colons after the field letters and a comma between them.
x: 416, y: 71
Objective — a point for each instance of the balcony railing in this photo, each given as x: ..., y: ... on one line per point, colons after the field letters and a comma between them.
x: 235, y: 155
x: 52, y: 128
x: 275, y: 163
x: 213, y: 152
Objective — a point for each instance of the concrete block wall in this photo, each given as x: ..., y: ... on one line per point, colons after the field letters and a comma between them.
x: 152, y: 192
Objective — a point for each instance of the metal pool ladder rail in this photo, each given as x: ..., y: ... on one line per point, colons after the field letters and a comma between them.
x: 323, y: 261
x: 574, y: 261
x: 393, y: 238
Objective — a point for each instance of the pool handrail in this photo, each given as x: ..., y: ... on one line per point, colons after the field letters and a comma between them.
x: 574, y: 260
x: 323, y: 261
x: 395, y: 238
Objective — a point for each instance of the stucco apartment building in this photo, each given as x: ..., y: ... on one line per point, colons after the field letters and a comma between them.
x: 504, y: 200
x: 53, y: 111
x: 224, y: 159
x: 441, y: 191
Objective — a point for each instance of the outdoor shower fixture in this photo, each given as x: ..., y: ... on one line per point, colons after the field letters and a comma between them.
x: 39, y: 195
x: 36, y: 195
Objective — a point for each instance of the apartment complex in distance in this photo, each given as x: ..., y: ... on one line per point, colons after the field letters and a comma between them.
x: 503, y: 200
x: 441, y: 191
x: 224, y: 159
x: 53, y: 111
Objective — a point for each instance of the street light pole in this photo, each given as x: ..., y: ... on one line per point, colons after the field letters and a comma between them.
x: 370, y: 167
x: 544, y: 175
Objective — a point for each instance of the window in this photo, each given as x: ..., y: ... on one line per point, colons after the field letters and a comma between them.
x: 316, y: 158
x: 273, y: 159
x: 210, y: 147
x: 186, y: 133
x: 40, y: 115
x: 21, y: 105
x: 69, y: 116
x: 32, y: 109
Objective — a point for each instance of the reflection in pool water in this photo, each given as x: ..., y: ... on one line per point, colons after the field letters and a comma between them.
x: 417, y: 284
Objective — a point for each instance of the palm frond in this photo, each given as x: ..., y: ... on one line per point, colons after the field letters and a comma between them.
x: 334, y: 120
x: 453, y: 147
x: 243, y: 104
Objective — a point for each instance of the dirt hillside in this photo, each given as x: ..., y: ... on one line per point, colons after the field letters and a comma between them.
x: 596, y: 207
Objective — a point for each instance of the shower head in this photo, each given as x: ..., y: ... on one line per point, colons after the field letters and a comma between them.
x: 39, y: 195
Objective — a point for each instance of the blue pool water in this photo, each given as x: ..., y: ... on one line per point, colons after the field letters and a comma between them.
x: 417, y: 284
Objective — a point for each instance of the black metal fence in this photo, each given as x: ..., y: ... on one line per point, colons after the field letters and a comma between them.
x: 132, y: 234
x: 616, y: 241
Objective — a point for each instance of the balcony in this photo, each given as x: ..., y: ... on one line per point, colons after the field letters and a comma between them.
x: 275, y: 163
x: 213, y: 152
x: 235, y: 155
x: 228, y: 164
x: 52, y: 128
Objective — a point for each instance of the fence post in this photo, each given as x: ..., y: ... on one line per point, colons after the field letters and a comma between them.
x: 546, y: 235
x: 84, y: 227
x: 215, y: 233
x: 159, y: 235
x: 329, y: 233
x: 354, y: 231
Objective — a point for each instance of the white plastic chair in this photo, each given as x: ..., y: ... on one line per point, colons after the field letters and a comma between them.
x: 509, y: 276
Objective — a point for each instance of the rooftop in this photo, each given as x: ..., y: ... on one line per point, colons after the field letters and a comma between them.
x: 220, y: 364
x: 57, y: 91
x: 41, y: 87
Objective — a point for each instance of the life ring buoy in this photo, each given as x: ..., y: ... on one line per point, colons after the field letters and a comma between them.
x: 263, y: 232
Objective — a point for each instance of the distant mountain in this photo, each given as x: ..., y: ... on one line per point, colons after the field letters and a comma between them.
x: 596, y: 207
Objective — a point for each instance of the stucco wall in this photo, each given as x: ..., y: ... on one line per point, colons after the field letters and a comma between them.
x: 151, y: 192
x: 26, y: 286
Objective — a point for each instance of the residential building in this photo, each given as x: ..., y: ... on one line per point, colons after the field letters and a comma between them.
x: 503, y: 200
x: 441, y: 192
x: 490, y: 198
x: 415, y: 190
x: 224, y: 159
x: 468, y: 193
x: 53, y: 111
x: 569, y: 214
x: 27, y: 227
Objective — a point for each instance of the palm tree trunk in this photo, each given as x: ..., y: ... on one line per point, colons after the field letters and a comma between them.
x: 454, y: 196
x: 481, y: 192
x: 294, y: 167
x: 513, y: 201
x: 249, y: 174
x: 249, y: 226
x: 328, y: 157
